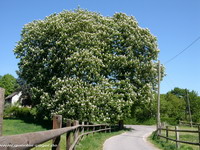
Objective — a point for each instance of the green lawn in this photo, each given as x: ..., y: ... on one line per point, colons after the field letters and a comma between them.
x: 14, y: 126
x: 90, y: 142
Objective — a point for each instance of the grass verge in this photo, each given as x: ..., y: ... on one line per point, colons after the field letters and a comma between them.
x: 96, y: 141
x: 90, y: 142
x: 163, y: 145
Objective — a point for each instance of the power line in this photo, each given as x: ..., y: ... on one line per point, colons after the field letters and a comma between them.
x: 182, y: 50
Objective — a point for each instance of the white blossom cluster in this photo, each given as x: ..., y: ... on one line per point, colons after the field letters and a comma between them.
x: 79, y: 100
x: 86, y: 66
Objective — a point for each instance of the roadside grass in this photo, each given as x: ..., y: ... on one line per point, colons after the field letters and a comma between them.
x: 90, y: 142
x: 96, y: 141
x: 16, y: 126
x: 170, y: 145
x: 47, y: 145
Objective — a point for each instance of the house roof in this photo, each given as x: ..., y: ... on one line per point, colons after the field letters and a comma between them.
x: 11, y: 95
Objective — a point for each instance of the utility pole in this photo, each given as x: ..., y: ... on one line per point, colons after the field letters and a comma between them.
x: 158, y: 99
x: 189, y: 110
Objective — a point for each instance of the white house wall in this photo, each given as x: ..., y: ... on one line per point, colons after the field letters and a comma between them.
x: 16, y: 98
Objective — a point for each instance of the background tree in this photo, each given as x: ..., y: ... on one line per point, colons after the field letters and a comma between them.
x: 25, y: 98
x: 174, y: 106
x: 195, y: 107
x: 193, y: 100
x: 178, y: 92
x: 81, y: 64
x: 9, y: 83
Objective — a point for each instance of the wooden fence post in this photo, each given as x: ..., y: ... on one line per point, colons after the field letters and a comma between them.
x: 100, y: 128
x: 57, y: 123
x: 93, y: 129
x: 199, y: 135
x: 82, y: 127
x: 88, y: 128
x: 2, y: 91
x: 110, y: 129
x: 121, y: 124
x: 180, y: 123
x: 161, y: 127
x: 167, y: 133
x: 105, y: 129
x: 68, y: 137
x: 76, y: 131
x: 177, y: 137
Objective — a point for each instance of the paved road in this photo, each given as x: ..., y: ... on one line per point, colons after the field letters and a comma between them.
x: 131, y: 140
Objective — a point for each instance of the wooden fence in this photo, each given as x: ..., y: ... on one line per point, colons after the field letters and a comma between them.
x: 189, y: 123
x: 177, y: 136
x: 73, y: 130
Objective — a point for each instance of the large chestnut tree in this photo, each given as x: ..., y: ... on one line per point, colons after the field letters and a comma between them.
x: 86, y: 66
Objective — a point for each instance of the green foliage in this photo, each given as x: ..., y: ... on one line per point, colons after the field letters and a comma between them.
x: 178, y: 92
x: 195, y: 106
x: 95, y: 101
x: 172, y: 108
x: 86, y: 66
x: 19, y: 112
x: 135, y: 121
x: 143, y: 111
x: 26, y: 94
x: 194, y: 101
x: 9, y: 83
x: 28, y: 115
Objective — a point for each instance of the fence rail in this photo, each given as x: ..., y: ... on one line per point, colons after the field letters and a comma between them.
x: 30, y: 140
x: 189, y: 123
x: 177, y: 136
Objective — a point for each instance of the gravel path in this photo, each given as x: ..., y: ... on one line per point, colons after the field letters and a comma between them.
x: 132, y: 140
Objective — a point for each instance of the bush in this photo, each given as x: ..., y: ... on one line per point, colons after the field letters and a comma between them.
x: 16, y: 112
x: 171, y: 121
x: 28, y: 115
x: 150, y: 121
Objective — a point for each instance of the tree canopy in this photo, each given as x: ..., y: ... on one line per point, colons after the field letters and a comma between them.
x: 9, y: 83
x: 86, y: 66
x: 174, y: 105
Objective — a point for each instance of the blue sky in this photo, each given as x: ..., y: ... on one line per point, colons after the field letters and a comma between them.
x: 175, y: 23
